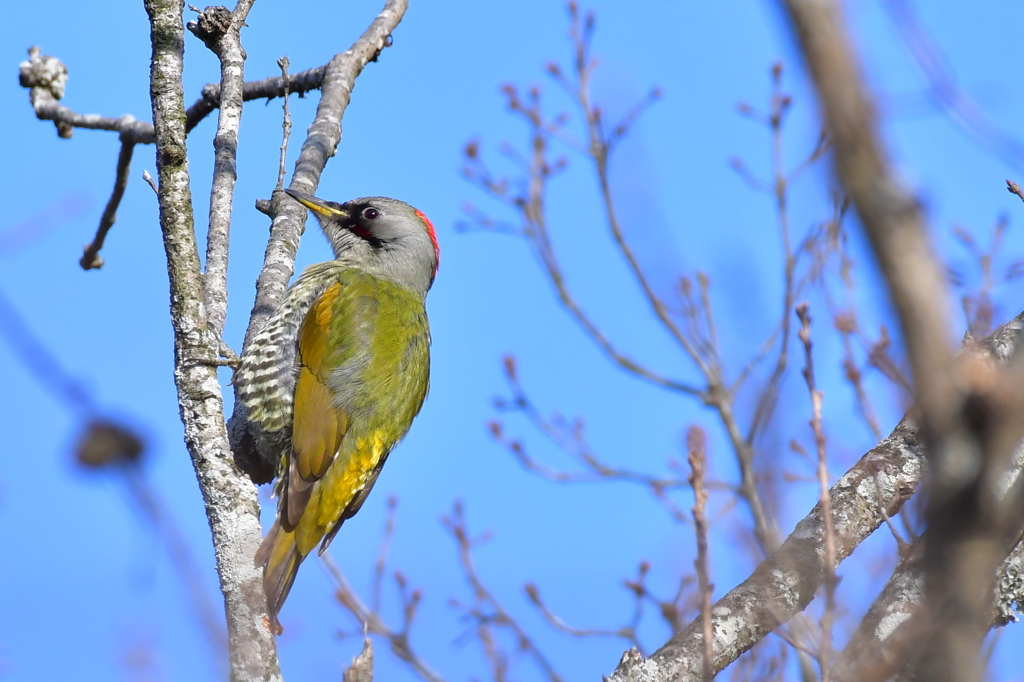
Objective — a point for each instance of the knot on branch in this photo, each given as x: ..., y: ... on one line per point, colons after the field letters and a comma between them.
x: 43, y: 72
x: 387, y: 42
x: 272, y: 207
x: 211, y: 25
x: 46, y: 77
x: 91, y: 259
x: 630, y: 660
x: 266, y: 207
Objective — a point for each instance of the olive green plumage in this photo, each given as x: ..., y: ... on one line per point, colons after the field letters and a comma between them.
x: 335, y: 378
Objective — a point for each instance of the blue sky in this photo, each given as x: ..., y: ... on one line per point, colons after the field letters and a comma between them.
x: 87, y: 576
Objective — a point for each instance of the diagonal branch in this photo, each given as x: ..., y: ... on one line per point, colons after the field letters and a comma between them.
x: 888, y: 635
x: 46, y: 77
x: 785, y: 582
x: 868, y: 494
x: 268, y: 88
x: 91, y: 259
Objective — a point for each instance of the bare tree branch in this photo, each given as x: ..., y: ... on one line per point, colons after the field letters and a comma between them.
x: 373, y: 622
x: 46, y: 78
x: 825, y: 501
x: 862, y: 499
x: 268, y: 88
x: 221, y: 31
x: 231, y: 502
x: 879, y: 647
x: 91, y: 257
x: 486, y: 611
x: 966, y: 411
x: 785, y: 582
x: 695, y: 441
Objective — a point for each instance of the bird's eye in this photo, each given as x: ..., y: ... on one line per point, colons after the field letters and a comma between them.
x: 371, y: 213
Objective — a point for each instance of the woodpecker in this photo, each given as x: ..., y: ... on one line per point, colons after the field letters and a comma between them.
x: 333, y: 381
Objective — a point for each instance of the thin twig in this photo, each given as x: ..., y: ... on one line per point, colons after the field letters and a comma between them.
x: 286, y: 123
x: 495, y: 614
x: 780, y: 104
x: 151, y: 182
x: 628, y: 632
x: 599, y: 148
x: 372, y: 622
x: 825, y: 500
x: 91, y: 259
x: 1013, y: 188
x: 530, y: 205
x: 696, y: 441
x: 569, y: 437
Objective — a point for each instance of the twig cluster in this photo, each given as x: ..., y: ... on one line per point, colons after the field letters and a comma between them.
x: 370, y: 618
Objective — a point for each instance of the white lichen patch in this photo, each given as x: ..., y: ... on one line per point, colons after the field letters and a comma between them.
x: 726, y: 632
x: 889, y: 623
x: 869, y: 491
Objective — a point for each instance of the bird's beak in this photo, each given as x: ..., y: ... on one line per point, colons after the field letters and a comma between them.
x: 318, y: 206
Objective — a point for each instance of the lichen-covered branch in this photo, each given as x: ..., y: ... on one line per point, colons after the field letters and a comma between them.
x: 221, y: 31
x: 868, y: 494
x: 46, y: 78
x: 231, y: 502
x: 881, y: 644
x: 785, y: 582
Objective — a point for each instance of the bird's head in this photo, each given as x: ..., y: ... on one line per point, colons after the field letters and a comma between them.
x: 384, y: 236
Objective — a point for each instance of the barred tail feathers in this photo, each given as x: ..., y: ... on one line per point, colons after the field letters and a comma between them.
x: 280, y: 558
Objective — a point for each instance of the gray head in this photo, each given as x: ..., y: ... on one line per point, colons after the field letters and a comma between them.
x: 386, y: 237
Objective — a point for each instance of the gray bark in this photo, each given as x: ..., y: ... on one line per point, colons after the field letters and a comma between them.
x: 232, y: 507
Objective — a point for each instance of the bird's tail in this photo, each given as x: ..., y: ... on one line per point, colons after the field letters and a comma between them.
x: 280, y: 559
